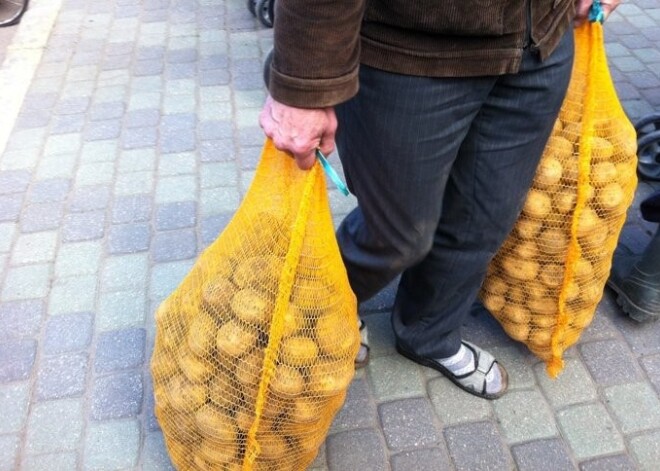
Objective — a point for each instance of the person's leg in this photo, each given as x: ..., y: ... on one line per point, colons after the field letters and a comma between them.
x: 484, y: 195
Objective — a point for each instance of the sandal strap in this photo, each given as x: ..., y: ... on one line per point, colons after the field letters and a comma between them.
x: 484, y: 362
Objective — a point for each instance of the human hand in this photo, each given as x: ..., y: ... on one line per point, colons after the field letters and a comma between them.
x: 582, y: 9
x: 299, y: 131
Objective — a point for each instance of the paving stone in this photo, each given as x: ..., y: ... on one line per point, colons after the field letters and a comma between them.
x: 176, y: 215
x: 142, y: 118
x: 14, y: 403
x: 212, y: 226
x: 523, y: 415
x: 356, y: 449
x: 14, y: 181
x: 65, y: 461
x: 83, y: 226
x: 137, y: 160
x: 176, y: 189
x: 177, y: 164
x: 174, y: 245
x: 72, y: 105
x: 136, y: 138
x: 154, y: 453
x: 120, y: 349
x: 635, y: 406
x: 409, y: 423
x: 10, y: 207
x: 134, y: 183
x: 395, y: 377
x: 646, y: 450
x: 20, y: 318
x: 73, y: 294
x: 179, y: 140
x: 131, y: 209
x: 589, y: 431
x: 110, y: 110
x: 610, y: 362
x: 651, y: 365
x: 34, y: 248
x: 539, y: 454
x: 477, y: 446
x: 220, y: 150
x: 165, y: 277
x: 88, y: 198
x: 9, y: 447
x: 128, y: 238
x: 7, y: 233
x: 101, y: 130
x: 69, y: 333
x: 26, y: 282
x: 643, y: 339
x: 117, y: 396
x: 429, y: 458
x: 218, y: 174
x: 453, y: 406
x: 125, y: 272
x: 48, y: 191
x: 601, y: 326
x: 99, y: 151
x: 215, y: 129
x: 78, y: 258
x: 54, y: 426
x: 219, y: 200
x: 148, y: 67
x: 42, y: 217
x: 120, y: 309
x: 112, y: 444
x: 69, y: 123
x: 61, y: 376
x: 572, y: 386
x: 609, y: 463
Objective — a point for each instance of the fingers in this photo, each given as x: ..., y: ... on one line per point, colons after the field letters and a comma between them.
x: 581, y: 11
x: 609, y: 7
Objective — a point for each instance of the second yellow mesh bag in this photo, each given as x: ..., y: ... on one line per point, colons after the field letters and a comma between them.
x: 545, y: 282
x: 254, y: 351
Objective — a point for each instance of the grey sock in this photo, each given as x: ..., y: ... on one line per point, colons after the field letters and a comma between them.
x: 463, y: 362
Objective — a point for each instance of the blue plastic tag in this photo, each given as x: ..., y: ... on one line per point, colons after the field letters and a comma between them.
x: 596, y: 12
x: 330, y: 172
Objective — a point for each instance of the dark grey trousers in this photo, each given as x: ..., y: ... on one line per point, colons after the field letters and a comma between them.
x: 440, y: 169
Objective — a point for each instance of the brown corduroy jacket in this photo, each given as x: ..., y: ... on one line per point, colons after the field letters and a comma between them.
x: 319, y: 44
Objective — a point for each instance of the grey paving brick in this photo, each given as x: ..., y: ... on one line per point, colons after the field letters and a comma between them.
x: 177, y: 164
x: 42, y: 217
x: 219, y: 200
x: 125, y: 272
x: 131, y: 209
x: 73, y: 294
x: 178, y: 140
x: 120, y: 349
x: 635, y: 406
x: 21, y: 318
x: 541, y: 454
x: 646, y: 450
x: 589, y: 431
x: 215, y: 130
x: 572, y: 386
x: 212, y: 226
x: 356, y: 449
x: 34, y: 248
x: 40, y: 101
x: 117, y: 396
x: 67, y: 123
x: 72, y: 105
x: 14, y: 403
x: 359, y: 410
x: 176, y: 189
x: 7, y: 233
x: 177, y: 121
x: 78, y: 258
x: 9, y: 447
x: 601, y: 327
x: 148, y: 67
x: 523, y: 415
x: 120, y: 309
x: 477, y: 446
x: 68, y: 333
x: 395, y: 377
x: 100, y: 130
x: 177, y: 215
x: 177, y: 71
x: 14, y: 181
x: 116, y: 62
x: 136, y: 161
x: 409, y: 423
x: 142, y: 118
x: 518, y: 362
x: 643, y: 339
x: 220, y: 150
x: 107, y: 111
x: 174, y: 245
x: 610, y: 362
x: 33, y: 119
x: 453, y: 406
x: 150, y: 52
x: 26, y: 282
x: 64, y: 461
x: 61, y: 376
x: 10, y: 207
x: 428, y: 458
x: 214, y: 77
x: 88, y: 198
x: 139, y: 137
x: 112, y: 444
x: 128, y: 238
x: 99, y: 151
x: 48, y: 191
x: 54, y: 426
x: 83, y: 226
x: 154, y: 453
x: 609, y: 463
x: 651, y: 365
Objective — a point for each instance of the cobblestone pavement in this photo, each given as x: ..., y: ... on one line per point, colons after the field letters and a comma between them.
x: 128, y: 136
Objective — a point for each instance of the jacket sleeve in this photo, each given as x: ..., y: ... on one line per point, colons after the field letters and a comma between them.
x: 316, y: 52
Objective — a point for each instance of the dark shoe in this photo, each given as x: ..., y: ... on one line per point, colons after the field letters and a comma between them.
x: 362, y: 357
x: 474, y: 382
x: 636, y: 280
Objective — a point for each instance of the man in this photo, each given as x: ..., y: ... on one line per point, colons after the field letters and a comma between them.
x: 441, y: 111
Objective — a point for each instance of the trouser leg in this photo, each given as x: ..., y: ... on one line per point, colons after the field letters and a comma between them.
x: 439, y: 186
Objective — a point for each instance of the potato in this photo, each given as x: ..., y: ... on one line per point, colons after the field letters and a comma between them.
x: 520, y: 269
x: 557, y: 127
x: 495, y: 285
x: 552, y: 274
x: 330, y: 378
x: 571, y: 133
x: 588, y: 221
x: 516, y: 331
x: 494, y: 302
x: 295, y: 321
x: 252, y: 307
x: 583, y: 269
x: 217, y: 454
x: 553, y: 241
x: 201, y: 336
x: 571, y: 111
x: 273, y: 447
x: 564, y: 200
x: 526, y: 249
x: 610, y: 197
x: 298, y: 351
x: 288, y: 381
x: 624, y: 139
x: 528, y: 228
x: 543, y: 309
x: 515, y: 314
x: 601, y: 149
x: 580, y: 318
x: 259, y: 272
x: 335, y: 337
x: 596, y: 239
x: 195, y: 369
x: 548, y: 173
x: 185, y: 396
x: 603, y: 173
x: 540, y: 337
x: 216, y: 424
x: 306, y: 409
x: 590, y: 294
x: 235, y: 341
x: 517, y: 294
x: 223, y: 391
x: 537, y: 205
x: 216, y: 295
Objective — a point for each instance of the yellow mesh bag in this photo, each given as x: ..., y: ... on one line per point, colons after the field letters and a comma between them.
x: 545, y: 282
x: 255, y: 349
